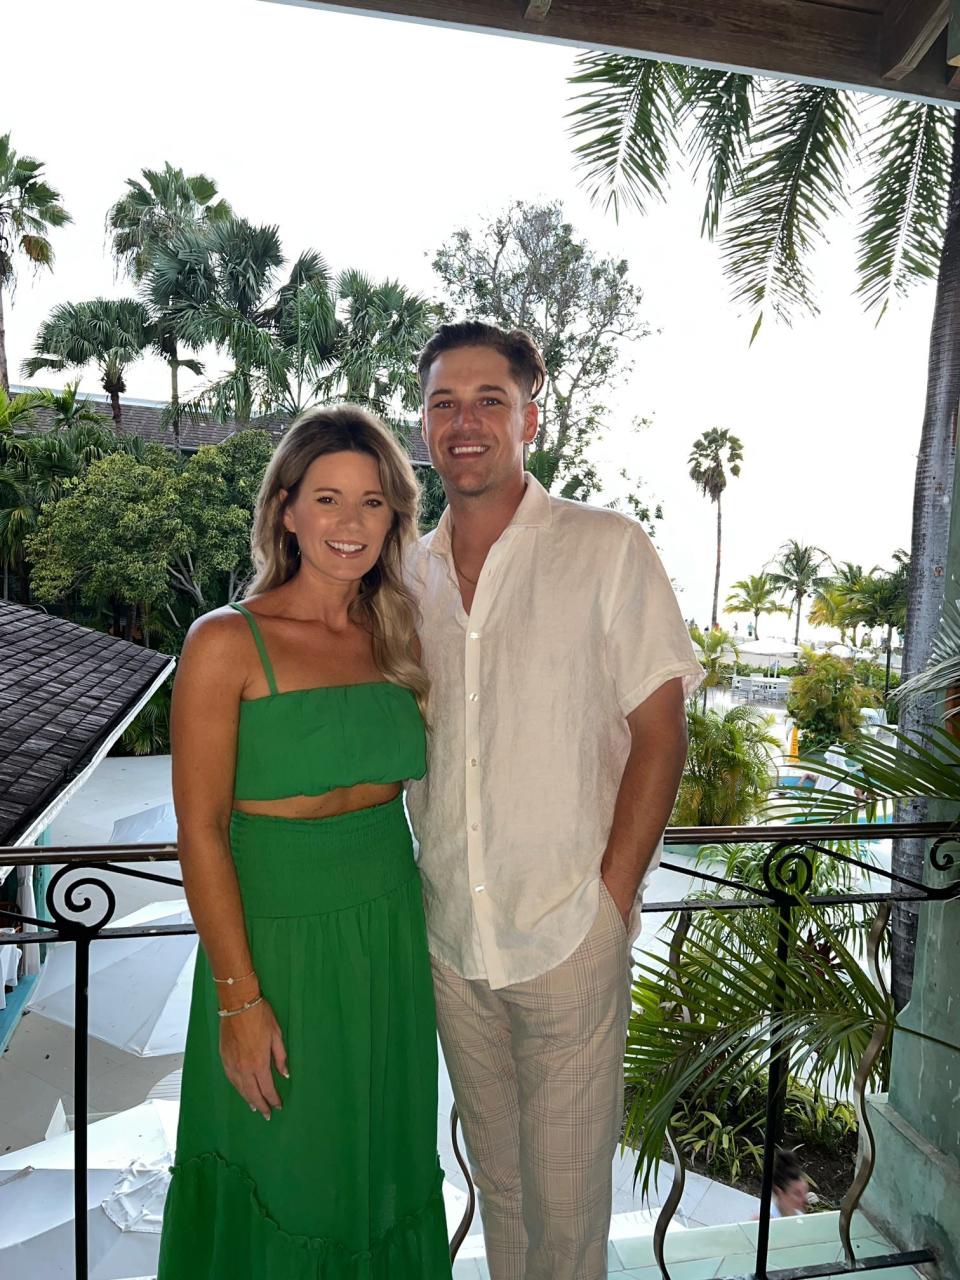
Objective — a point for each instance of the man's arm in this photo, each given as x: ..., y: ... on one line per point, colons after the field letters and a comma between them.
x: 658, y: 732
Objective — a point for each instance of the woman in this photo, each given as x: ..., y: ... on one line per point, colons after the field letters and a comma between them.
x: 296, y: 717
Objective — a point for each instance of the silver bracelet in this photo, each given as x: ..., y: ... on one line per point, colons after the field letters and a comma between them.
x: 232, y: 1013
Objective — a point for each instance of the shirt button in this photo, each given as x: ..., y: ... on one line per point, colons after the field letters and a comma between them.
x: 474, y: 697
x: 479, y: 888
x: 474, y: 635
x: 474, y: 826
x: 474, y: 762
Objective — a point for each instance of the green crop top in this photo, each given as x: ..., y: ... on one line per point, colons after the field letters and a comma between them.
x: 308, y: 741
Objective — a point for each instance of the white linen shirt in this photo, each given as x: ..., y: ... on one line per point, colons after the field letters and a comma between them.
x: 573, y: 625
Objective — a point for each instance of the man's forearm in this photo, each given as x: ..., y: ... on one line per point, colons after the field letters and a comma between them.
x: 645, y: 801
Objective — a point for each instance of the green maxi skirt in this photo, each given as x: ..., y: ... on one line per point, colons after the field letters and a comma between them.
x: 343, y: 1183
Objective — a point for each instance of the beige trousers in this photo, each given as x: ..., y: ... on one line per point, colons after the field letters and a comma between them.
x: 537, y: 1074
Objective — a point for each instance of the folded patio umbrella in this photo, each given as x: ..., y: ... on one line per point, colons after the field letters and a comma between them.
x: 128, y: 1161
x: 139, y: 987
x: 156, y: 825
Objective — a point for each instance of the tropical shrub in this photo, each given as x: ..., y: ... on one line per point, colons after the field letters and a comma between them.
x: 825, y: 702
x: 728, y: 768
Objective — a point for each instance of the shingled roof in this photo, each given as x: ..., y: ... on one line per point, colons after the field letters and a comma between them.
x: 66, y: 693
x: 146, y: 419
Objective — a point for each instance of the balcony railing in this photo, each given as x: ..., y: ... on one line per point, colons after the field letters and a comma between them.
x: 81, y: 904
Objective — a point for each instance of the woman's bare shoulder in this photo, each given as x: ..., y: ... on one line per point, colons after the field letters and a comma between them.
x: 220, y: 635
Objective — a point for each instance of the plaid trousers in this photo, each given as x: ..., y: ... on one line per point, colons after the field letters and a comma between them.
x: 537, y: 1074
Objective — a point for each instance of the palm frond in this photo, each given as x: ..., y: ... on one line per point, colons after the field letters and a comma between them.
x: 793, y: 183
x: 882, y: 771
x: 625, y: 127
x: 719, y: 105
x: 942, y: 672
x: 904, y: 201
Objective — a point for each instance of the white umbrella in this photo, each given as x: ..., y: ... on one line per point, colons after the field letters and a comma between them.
x: 139, y: 987
x: 156, y: 825
x: 128, y: 1159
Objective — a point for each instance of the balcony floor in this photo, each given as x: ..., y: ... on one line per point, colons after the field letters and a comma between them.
x: 703, y: 1253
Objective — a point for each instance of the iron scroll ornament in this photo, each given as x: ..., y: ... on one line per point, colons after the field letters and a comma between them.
x: 788, y: 869
x: 76, y: 905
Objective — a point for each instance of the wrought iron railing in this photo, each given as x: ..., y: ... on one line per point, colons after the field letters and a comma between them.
x: 81, y: 903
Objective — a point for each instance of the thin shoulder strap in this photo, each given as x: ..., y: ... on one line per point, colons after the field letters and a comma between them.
x: 261, y: 647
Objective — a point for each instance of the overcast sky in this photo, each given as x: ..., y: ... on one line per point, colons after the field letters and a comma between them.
x: 371, y: 141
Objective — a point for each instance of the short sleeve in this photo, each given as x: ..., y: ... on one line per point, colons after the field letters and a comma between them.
x: 647, y: 640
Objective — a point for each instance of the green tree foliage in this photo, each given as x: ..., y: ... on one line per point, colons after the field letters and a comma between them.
x: 527, y: 269
x: 881, y: 601
x: 728, y: 768
x: 825, y: 702
x: 29, y: 208
x: 114, y: 536
x: 38, y: 467
x: 715, y: 454
x: 149, y: 534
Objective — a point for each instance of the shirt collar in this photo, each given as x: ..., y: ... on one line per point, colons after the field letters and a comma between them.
x: 532, y: 513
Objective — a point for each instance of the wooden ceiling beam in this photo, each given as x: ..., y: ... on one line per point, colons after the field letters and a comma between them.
x: 835, y: 43
x: 909, y: 29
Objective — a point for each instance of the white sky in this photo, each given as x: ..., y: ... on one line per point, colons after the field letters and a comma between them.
x: 371, y: 141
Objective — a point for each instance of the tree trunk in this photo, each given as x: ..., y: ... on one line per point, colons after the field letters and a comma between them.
x: 716, y: 580
x: 6, y: 578
x: 756, y: 625
x: 4, y: 374
x: 932, y: 500
x: 796, y: 633
x: 886, y: 683
x: 175, y: 395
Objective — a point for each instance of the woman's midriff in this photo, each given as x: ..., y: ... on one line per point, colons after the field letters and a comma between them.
x: 330, y: 805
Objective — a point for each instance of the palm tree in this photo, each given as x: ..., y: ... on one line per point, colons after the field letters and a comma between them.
x: 754, y: 595
x: 69, y: 408
x: 882, y: 602
x: 110, y: 332
x: 151, y: 213
x: 716, y: 650
x: 29, y: 207
x: 798, y: 573
x: 784, y: 158
x: 219, y: 284
x: 728, y: 770
x: 382, y: 328
x: 707, y: 472
x: 835, y: 601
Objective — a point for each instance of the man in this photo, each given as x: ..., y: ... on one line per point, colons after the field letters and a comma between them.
x: 558, y: 663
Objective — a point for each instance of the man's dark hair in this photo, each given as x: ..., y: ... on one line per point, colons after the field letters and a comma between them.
x: 515, y: 345
x: 786, y: 1169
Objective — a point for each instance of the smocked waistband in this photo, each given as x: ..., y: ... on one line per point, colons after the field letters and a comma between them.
x: 309, y: 866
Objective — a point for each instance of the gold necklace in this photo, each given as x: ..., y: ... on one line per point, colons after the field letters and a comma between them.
x: 460, y: 574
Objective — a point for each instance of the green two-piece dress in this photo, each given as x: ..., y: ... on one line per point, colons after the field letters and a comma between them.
x: 343, y: 1183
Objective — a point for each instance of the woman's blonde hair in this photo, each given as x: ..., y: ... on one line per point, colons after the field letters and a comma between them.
x: 383, y: 604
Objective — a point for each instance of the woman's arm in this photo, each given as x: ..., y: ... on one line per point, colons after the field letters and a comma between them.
x: 204, y: 718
